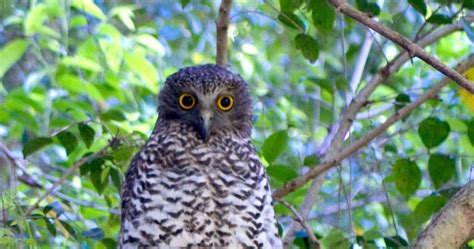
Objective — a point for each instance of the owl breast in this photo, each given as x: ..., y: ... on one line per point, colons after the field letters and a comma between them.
x: 187, y: 193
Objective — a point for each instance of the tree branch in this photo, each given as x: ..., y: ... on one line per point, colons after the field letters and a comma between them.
x: 403, y: 42
x: 453, y: 225
x: 402, y: 113
x: 222, y: 26
x: 302, y: 222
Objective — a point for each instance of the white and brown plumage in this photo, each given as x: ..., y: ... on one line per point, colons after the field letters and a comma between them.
x: 198, y: 182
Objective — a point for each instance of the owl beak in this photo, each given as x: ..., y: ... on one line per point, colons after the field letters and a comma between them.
x: 204, y: 125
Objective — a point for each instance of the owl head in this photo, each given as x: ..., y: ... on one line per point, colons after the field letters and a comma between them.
x: 209, y: 98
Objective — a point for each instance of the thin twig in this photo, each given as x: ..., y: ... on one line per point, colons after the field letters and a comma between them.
x: 222, y: 25
x: 31, y: 181
x: 412, y: 48
x: 303, y: 223
x: 71, y: 170
x: 400, y: 114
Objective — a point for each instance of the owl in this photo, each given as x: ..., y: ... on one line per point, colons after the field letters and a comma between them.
x: 198, y: 182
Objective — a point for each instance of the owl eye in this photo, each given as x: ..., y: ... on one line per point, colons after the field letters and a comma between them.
x: 187, y: 101
x: 225, y: 103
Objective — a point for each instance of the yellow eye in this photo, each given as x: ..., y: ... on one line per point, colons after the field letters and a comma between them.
x: 225, y: 103
x: 187, y: 101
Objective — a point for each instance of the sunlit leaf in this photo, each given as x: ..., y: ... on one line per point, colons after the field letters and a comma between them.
x: 142, y: 68
x: 11, y: 53
x: 433, y: 131
x: 89, y: 7
x: 274, y: 145
x: 81, y: 62
x: 35, y: 144
x: 441, y: 168
x: 407, y: 176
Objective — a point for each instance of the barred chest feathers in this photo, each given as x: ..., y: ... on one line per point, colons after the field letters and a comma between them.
x: 189, y: 193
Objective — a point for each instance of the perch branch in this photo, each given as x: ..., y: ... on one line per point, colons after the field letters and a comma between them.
x: 303, y: 223
x: 222, y: 25
x: 403, y: 42
x: 453, y: 225
x: 402, y: 113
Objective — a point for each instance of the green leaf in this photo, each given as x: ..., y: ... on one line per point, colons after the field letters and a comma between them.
x: 89, y: 7
x: 68, y: 140
x: 143, y: 69
x: 281, y: 172
x: 274, y: 145
x: 311, y: 160
x: 87, y: 134
x: 109, y: 243
x: 96, y: 177
x: 71, y: 83
x: 91, y: 165
x: 372, y: 234
x: 419, y: 5
x: 113, y: 114
x: 335, y: 239
x: 289, y: 5
x: 35, y: 144
x: 116, y: 178
x: 11, y: 53
x: 468, y: 4
x: 372, y: 8
x: 433, y: 131
x: 401, y: 100
x: 470, y: 131
x: 292, y: 21
x: 395, y: 242
x: 441, y: 168
x: 81, y: 62
x: 184, y: 3
x: 68, y: 228
x: 428, y: 206
x: 308, y: 46
x: 36, y: 17
x: 407, y: 177
x: 323, y: 16
x: 50, y: 226
x: 440, y: 19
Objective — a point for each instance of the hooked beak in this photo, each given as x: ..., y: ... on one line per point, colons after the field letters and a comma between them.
x: 204, y: 125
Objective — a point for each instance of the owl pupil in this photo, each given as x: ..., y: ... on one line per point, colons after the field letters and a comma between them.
x: 187, y: 101
x: 225, y: 102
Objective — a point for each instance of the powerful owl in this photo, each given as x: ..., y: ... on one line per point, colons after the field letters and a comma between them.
x: 198, y: 181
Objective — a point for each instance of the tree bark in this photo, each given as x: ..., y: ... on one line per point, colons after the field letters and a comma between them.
x: 453, y: 225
